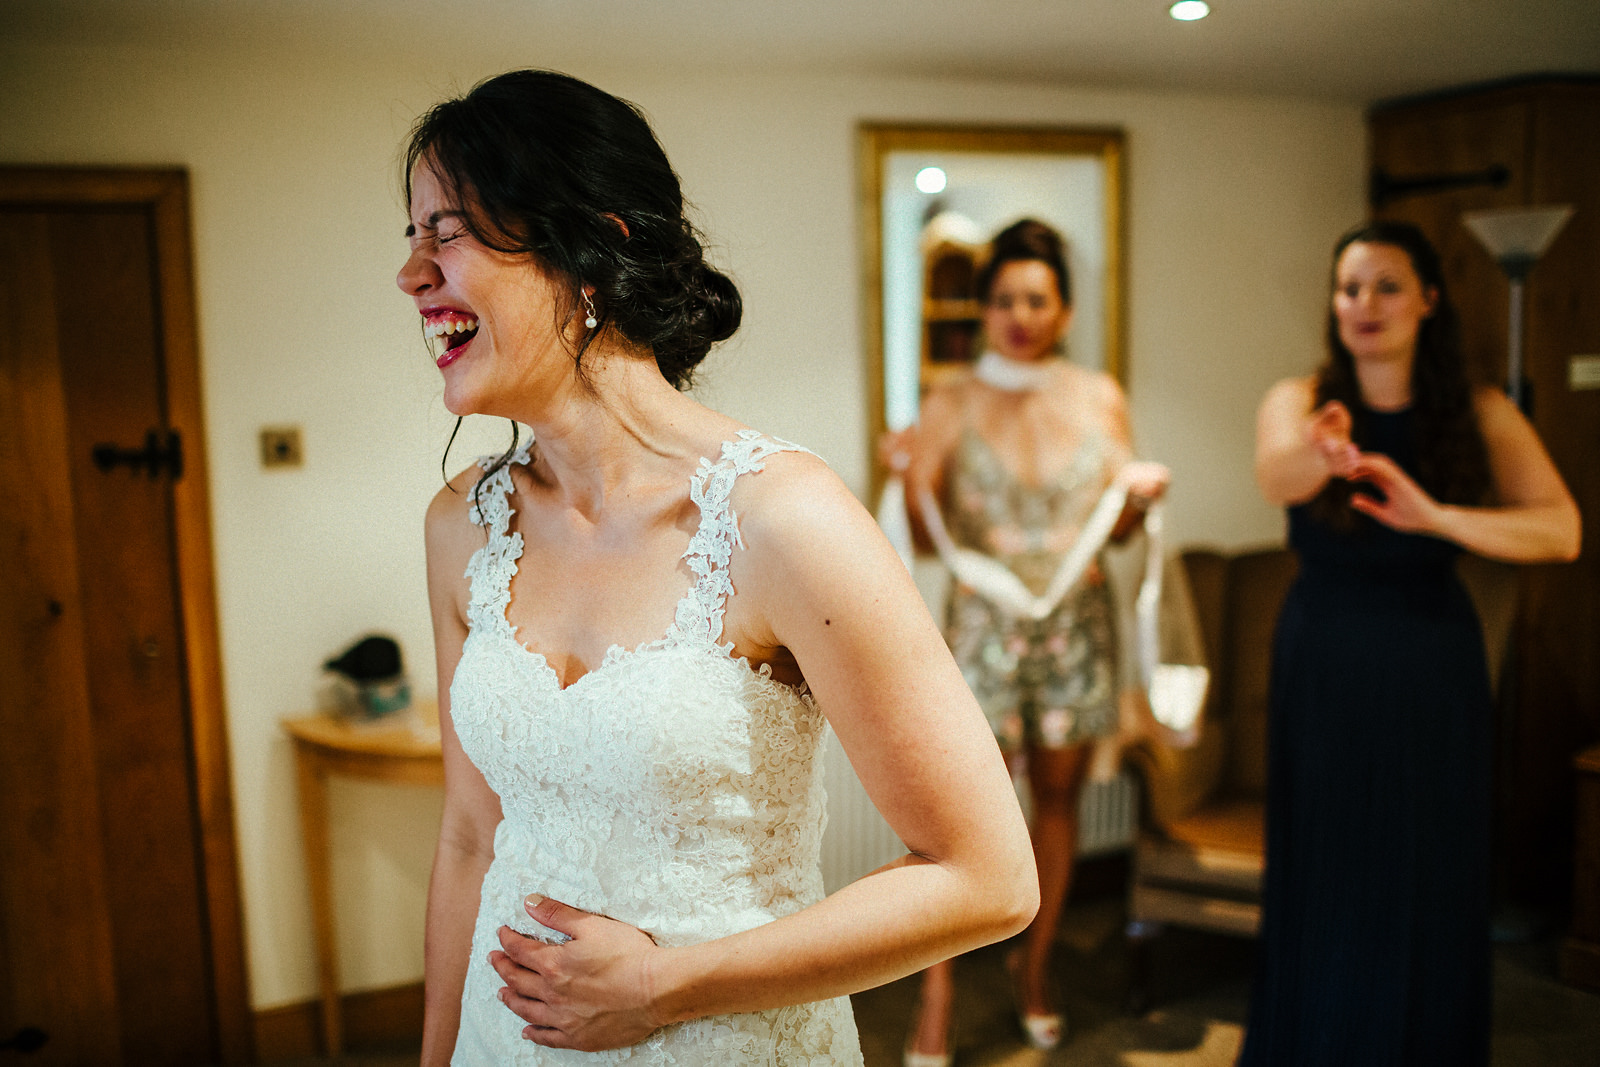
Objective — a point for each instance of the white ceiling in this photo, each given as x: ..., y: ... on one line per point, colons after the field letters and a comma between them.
x: 1347, y: 50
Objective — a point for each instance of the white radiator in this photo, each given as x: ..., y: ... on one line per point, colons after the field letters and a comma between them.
x: 1108, y: 815
x: 858, y: 840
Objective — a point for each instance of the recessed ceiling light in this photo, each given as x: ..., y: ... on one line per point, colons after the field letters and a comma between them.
x: 1189, y: 10
x: 930, y: 180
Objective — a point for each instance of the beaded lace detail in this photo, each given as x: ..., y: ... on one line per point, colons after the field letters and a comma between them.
x: 672, y: 787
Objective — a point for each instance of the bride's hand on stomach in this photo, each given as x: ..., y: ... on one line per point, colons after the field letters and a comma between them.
x: 591, y: 992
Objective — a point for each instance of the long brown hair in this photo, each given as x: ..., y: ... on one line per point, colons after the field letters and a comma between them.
x: 1452, y: 461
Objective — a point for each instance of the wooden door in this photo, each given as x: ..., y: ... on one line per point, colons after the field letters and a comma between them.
x: 118, y: 901
x: 1466, y: 140
x: 1546, y: 136
x: 1559, y: 657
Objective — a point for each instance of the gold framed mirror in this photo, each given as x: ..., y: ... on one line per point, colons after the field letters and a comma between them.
x: 931, y: 197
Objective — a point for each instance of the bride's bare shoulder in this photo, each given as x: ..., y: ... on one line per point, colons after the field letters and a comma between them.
x: 448, y: 528
x: 796, y: 495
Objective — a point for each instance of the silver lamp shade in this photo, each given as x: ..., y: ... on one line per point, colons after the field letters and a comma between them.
x: 1516, y: 238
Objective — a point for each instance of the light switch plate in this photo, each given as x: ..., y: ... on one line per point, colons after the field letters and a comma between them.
x: 280, y: 447
x: 1583, y: 372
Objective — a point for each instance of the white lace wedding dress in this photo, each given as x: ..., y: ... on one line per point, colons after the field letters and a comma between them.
x: 673, y: 787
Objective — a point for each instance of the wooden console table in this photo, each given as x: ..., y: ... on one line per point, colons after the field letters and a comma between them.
x: 1580, y: 951
x: 324, y: 746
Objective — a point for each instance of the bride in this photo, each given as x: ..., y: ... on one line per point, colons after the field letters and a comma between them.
x: 646, y: 618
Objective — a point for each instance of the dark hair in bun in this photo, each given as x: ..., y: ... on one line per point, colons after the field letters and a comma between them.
x: 554, y: 168
x: 1024, y: 241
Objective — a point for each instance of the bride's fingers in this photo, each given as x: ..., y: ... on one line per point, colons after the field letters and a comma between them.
x: 523, y: 950
x: 549, y: 1037
x: 530, y: 1010
x: 554, y: 914
x: 511, y: 971
x: 542, y: 1028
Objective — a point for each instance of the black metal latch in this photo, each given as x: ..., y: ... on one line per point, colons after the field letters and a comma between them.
x: 157, y: 455
x: 1382, y: 187
x: 28, y: 1039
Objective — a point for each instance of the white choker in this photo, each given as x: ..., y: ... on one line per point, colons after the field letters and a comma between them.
x: 1010, y: 375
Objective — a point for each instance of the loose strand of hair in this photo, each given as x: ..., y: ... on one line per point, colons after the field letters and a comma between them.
x: 444, y: 470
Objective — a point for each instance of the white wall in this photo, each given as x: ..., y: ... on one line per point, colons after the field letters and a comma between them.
x: 1233, y: 205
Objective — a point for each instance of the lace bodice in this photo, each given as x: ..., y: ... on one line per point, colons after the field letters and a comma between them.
x: 673, y: 787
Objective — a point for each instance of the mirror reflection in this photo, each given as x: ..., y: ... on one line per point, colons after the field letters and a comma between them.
x: 932, y: 198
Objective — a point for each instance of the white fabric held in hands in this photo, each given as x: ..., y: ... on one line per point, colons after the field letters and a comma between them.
x: 1176, y: 691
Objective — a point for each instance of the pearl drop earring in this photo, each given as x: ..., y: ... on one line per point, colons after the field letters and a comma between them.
x: 591, y: 322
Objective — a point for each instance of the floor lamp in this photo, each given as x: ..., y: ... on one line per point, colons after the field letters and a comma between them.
x: 1516, y: 238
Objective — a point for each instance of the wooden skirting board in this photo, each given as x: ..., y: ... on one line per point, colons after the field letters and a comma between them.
x: 379, y: 1017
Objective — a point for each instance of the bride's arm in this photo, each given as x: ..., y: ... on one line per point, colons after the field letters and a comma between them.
x: 471, y: 809
x: 829, y: 588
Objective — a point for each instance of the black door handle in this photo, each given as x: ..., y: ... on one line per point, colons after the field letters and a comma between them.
x: 156, y: 456
x: 28, y: 1039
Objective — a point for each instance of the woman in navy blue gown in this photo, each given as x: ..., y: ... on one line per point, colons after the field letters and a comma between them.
x: 1375, y: 928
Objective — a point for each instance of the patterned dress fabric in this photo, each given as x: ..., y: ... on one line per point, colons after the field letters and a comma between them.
x: 673, y: 787
x: 1375, y: 918
x: 1051, y: 682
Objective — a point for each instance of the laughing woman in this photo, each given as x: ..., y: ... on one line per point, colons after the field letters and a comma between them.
x: 646, y: 618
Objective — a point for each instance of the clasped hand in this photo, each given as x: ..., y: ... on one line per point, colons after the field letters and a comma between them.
x: 1402, y: 504
x: 1405, y: 505
x: 1328, y: 431
x: 592, y: 992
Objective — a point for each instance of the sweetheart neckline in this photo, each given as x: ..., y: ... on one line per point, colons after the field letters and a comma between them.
x: 710, y: 545
x: 616, y: 654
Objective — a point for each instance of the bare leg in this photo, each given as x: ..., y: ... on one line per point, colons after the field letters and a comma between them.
x: 1056, y: 777
x: 931, y: 1028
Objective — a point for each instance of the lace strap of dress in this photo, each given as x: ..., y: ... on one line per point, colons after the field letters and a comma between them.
x: 711, y: 548
x: 491, y: 567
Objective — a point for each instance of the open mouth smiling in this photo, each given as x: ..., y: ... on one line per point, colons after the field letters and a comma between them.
x: 448, y: 335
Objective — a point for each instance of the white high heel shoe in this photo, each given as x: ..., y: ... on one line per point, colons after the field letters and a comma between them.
x: 926, y: 1059
x: 1043, y: 1031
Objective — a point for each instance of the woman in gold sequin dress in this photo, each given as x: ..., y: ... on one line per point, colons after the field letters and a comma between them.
x: 1017, y: 454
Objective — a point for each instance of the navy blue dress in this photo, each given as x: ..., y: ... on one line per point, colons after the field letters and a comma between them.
x: 1375, y: 925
